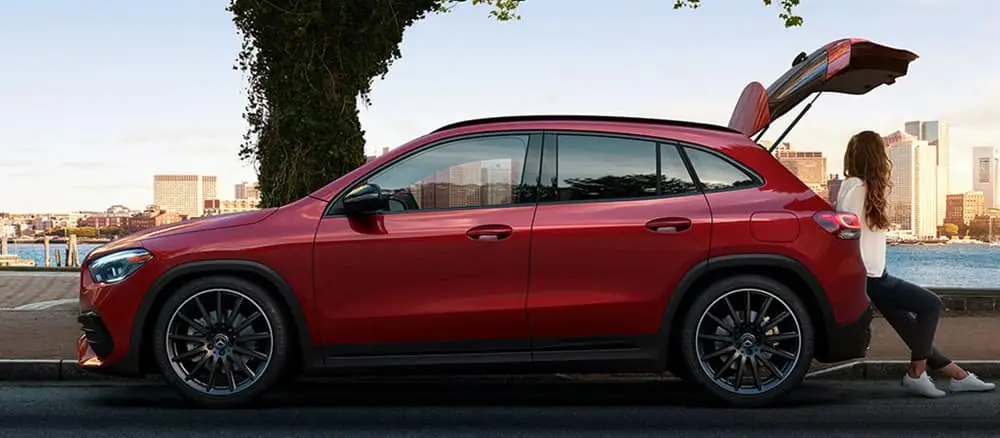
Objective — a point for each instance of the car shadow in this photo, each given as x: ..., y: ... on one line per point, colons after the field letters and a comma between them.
x: 402, y: 393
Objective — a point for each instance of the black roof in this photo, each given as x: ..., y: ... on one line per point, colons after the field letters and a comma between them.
x: 586, y: 118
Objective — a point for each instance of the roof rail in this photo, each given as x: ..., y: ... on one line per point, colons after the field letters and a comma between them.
x: 585, y: 118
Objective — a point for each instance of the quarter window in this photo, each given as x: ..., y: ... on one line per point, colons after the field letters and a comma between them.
x: 475, y: 172
x: 715, y: 173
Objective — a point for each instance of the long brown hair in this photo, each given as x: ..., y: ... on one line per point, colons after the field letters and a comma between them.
x: 866, y: 158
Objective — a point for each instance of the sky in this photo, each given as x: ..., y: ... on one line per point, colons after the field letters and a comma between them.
x: 95, y: 100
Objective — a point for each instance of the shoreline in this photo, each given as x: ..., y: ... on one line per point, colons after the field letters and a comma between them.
x: 59, y: 241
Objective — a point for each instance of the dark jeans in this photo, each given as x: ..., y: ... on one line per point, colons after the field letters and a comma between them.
x: 913, y: 312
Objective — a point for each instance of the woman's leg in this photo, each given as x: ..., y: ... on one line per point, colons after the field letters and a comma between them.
x: 905, y: 325
x: 897, y: 299
x: 908, y: 308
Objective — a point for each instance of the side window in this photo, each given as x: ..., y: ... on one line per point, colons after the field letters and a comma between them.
x: 674, y: 176
x: 716, y: 173
x: 595, y: 167
x: 475, y: 172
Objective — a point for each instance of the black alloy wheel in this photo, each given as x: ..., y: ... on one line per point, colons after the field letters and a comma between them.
x: 221, y: 342
x: 748, y: 339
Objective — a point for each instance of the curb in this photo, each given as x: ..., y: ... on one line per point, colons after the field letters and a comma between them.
x: 894, y: 369
x: 49, y: 370
x: 27, y: 370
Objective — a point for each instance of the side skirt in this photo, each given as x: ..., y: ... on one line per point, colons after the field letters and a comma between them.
x: 615, y: 354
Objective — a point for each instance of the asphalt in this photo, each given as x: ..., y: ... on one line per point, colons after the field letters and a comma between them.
x: 818, y: 409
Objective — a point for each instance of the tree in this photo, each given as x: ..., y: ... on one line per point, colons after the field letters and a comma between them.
x: 309, y: 62
x: 950, y: 230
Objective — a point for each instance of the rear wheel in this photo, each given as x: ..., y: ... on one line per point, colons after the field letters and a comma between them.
x: 748, y: 340
x: 221, y: 341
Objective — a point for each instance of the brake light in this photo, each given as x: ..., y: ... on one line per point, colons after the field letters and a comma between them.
x: 841, y: 224
x: 838, y: 58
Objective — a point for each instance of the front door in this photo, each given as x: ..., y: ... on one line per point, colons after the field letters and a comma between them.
x: 443, y: 268
x: 620, y: 221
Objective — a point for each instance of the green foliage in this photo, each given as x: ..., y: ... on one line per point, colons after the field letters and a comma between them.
x: 984, y: 228
x: 309, y: 62
x: 950, y: 230
x: 786, y: 14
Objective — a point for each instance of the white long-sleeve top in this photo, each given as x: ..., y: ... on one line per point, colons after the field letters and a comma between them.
x: 851, y: 199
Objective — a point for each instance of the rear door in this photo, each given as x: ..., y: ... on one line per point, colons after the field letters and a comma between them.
x: 609, y: 242
x: 847, y: 66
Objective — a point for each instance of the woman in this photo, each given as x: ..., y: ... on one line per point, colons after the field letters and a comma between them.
x: 911, y: 310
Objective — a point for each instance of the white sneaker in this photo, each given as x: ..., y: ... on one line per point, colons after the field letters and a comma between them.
x: 970, y: 383
x: 923, y: 386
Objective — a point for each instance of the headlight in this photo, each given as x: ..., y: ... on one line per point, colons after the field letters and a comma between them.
x: 116, y: 267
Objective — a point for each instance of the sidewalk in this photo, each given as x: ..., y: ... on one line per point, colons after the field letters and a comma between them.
x: 52, y: 334
x: 34, y: 288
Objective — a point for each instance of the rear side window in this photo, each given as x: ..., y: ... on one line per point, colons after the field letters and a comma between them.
x: 595, y: 167
x: 674, y: 176
x: 716, y: 173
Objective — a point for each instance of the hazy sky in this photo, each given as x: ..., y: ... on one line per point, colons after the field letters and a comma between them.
x: 94, y: 100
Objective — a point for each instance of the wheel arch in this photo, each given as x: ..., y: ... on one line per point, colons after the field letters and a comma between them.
x: 256, y: 272
x: 781, y: 268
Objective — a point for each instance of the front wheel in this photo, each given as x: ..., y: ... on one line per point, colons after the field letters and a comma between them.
x: 221, y: 341
x: 748, y: 339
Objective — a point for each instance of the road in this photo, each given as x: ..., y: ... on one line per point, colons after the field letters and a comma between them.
x: 818, y: 409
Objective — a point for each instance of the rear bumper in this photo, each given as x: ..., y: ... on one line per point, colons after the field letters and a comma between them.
x: 848, y: 341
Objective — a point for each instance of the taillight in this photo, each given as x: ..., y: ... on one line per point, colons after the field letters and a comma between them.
x: 838, y: 223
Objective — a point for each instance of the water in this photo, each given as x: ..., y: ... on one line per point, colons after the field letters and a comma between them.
x: 927, y: 265
x: 36, y: 251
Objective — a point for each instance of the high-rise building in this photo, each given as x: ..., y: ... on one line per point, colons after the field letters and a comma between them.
x: 895, y: 137
x: 184, y: 194
x: 809, y: 167
x: 913, y: 199
x: 962, y: 208
x: 984, y: 173
x: 209, y: 187
x: 246, y: 190
x: 935, y: 133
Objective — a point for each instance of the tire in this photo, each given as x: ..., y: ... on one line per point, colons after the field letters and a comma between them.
x: 766, y: 375
x: 178, y: 358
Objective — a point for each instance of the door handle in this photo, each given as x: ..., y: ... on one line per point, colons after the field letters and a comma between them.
x: 669, y: 224
x: 490, y: 232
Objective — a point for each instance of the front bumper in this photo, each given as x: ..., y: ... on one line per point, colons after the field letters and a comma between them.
x: 96, y: 345
x: 848, y: 341
x: 95, y: 334
x: 108, y: 320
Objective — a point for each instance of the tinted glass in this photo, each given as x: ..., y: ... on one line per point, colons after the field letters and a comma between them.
x: 475, y: 172
x: 594, y: 167
x: 674, y: 176
x: 716, y: 173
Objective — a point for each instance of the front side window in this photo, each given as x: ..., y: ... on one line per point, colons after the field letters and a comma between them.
x: 473, y: 172
x: 715, y: 173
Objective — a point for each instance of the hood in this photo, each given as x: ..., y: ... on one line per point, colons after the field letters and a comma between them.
x: 847, y: 66
x: 188, y: 226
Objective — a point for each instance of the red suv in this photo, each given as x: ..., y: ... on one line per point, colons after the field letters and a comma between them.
x: 530, y: 244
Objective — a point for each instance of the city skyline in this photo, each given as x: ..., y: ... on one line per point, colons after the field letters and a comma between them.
x: 145, y: 99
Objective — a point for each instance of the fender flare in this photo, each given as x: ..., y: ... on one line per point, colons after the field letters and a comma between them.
x: 700, y: 270
x: 286, y: 296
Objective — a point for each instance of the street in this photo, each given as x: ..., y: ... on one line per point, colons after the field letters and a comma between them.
x: 818, y: 409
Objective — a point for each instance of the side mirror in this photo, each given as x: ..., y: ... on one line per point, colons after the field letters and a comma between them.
x: 364, y: 199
